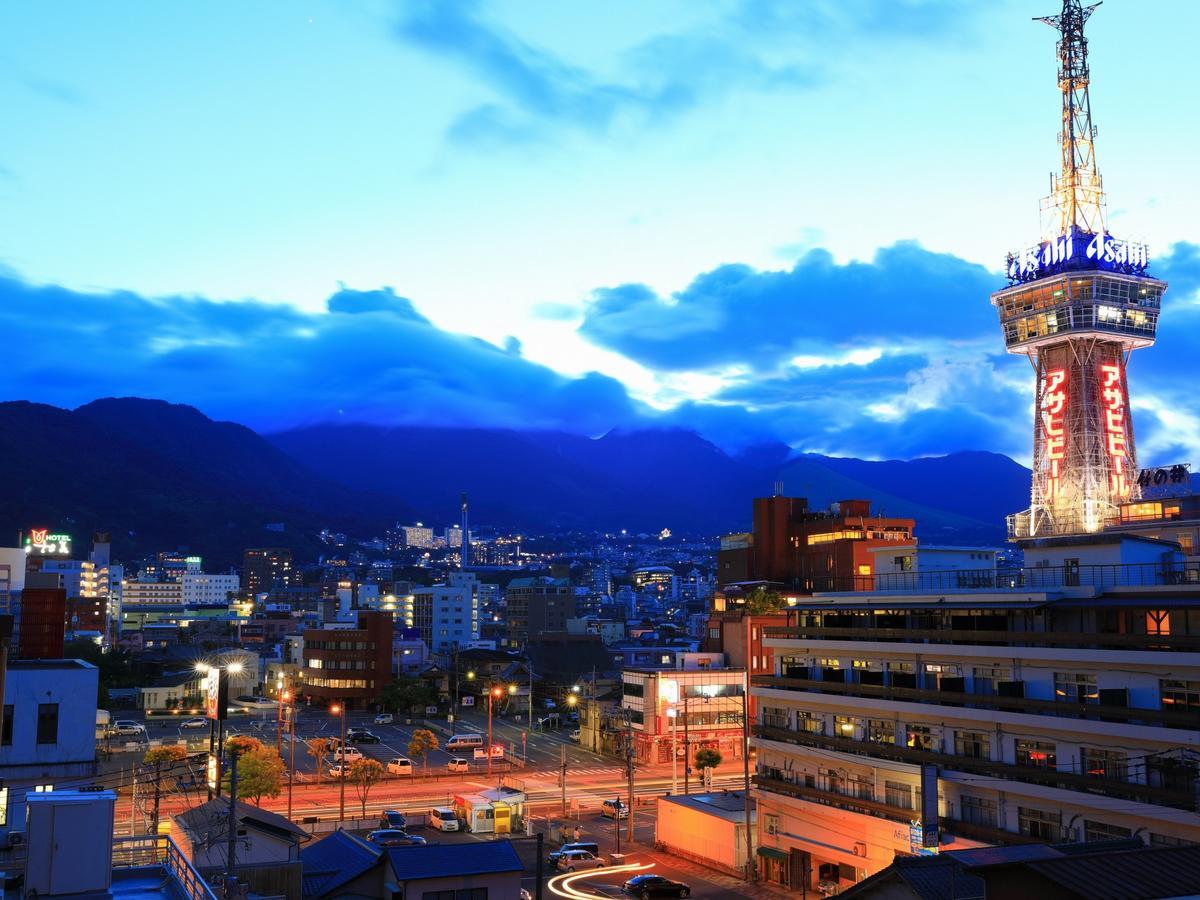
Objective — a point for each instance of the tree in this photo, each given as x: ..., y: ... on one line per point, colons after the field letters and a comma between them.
x: 423, y: 741
x: 365, y: 773
x: 405, y: 694
x: 761, y: 601
x: 707, y: 759
x: 260, y: 774
x: 318, y: 749
x: 158, y: 757
x: 242, y: 744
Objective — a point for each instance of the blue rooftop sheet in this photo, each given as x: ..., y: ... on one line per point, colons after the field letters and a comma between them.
x: 437, y: 860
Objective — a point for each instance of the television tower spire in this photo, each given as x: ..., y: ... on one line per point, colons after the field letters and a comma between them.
x: 1076, y: 202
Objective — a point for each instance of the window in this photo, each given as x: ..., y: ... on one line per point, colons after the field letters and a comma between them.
x: 774, y: 717
x: 1169, y: 840
x: 633, y: 689
x: 6, y: 739
x: 881, y: 731
x: 973, y: 744
x: 898, y: 794
x: 1075, y: 687
x: 47, y: 723
x: 1037, y: 823
x: 1185, y: 542
x: 844, y: 726
x: 1102, y: 831
x: 809, y: 723
x: 979, y: 811
x: 1037, y: 753
x: 479, y: 893
x: 920, y: 737
x: 770, y: 824
x: 1158, y: 621
x: 987, y: 677
x: 1100, y: 763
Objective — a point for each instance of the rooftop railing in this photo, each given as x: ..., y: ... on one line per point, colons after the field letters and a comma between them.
x: 1030, y: 578
x: 147, y: 851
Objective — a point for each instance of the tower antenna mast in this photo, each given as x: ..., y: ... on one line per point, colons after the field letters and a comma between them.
x: 1076, y: 202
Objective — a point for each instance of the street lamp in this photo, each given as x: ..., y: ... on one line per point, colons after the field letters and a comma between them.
x: 287, y: 696
x: 494, y: 694
x: 279, y: 716
x: 673, y: 714
x: 340, y: 710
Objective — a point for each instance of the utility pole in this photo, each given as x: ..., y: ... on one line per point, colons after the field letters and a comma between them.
x: 541, y: 854
x: 628, y: 773
x: 133, y: 802
x: 562, y: 778
x: 529, y: 666
x: 232, y: 845
x: 157, y: 795
x: 292, y: 761
x: 687, y: 750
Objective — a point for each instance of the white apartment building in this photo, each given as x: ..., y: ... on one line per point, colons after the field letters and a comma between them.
x: 417, y: 536
x: 447, y: 615
x: 200, y: 588
x: 1056, y: 703
x: 136, y: 593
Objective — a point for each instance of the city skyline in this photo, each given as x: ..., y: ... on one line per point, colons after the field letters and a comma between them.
x: 652, y: 217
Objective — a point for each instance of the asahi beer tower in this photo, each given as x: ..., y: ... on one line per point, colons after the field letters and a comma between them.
x: 1077, y: 305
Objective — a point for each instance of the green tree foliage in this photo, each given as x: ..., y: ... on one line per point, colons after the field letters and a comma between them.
x: 761, y: 601
x: 707, y: 758
x: 407, y: 694
x: 365, y: 774
x: 260, y: 774
x: 318, y: 749
x: 423, y: 742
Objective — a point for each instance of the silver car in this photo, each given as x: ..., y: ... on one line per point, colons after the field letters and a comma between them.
x: 574, y: 860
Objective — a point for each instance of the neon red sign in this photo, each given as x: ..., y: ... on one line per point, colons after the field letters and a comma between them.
x: 1054, y: 414
x: 1112, y: 396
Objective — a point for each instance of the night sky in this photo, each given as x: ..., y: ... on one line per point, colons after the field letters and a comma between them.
x: 760, y: 220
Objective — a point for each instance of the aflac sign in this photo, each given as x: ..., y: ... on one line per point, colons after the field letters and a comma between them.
x: 1075, y: 252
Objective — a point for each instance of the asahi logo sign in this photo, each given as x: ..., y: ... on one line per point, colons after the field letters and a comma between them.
x: 1074, y: 252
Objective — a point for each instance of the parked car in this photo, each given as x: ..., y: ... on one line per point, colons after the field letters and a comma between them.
x: 614, y: 809
x: 399, y: 765
x: 590, y: 846
x: 194, y: 723
x: 393, y: 818
x: 347, y: 754
x: 573, y: 860
x: 338, y: 770
x: 393, y: 837
x: 443, y: 818
x: 465, y: 742
x: 575, y: 735
x: 129, y: 727
x: 647, y: 886
x: 458, y: 765
x: 362, y: 737
x: 384, y: 719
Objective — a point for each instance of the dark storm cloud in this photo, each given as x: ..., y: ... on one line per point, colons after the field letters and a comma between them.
x: 739, y: 315
x: 371, y: 357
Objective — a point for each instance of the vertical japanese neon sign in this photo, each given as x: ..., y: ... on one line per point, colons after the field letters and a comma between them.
x: 1112, y: 402
x: 1053, y: 416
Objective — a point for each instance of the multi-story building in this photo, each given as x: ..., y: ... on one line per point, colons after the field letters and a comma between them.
x: 687, y: 709
x: 266, y: 569
x: 446, y: 615
x: 537, y: 605
x: 202, y: 589
x: 349, y: 665
x: 49, y: 732
x: 417, y: 536
x: 1058, y: 702
x: 41, y: 625
x: 807, y: 550
x: 136, y: 594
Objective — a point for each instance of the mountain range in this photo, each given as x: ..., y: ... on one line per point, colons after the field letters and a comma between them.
x: 164, y: 476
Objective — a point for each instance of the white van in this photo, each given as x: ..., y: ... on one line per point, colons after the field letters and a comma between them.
x: 399, y: 765
x: 442, y: 818
x: 465, y: 742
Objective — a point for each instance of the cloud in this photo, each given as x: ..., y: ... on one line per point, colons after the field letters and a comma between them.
x: 739, y: 315
x: 370, y: 357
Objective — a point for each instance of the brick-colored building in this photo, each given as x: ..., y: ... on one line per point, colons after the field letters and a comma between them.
x: 349, y: 665
x: 537, y: 605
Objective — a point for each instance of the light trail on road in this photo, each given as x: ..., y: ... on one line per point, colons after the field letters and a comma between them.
x: 561, y: 885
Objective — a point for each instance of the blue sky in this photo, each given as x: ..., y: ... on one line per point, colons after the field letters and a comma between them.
x: 763, y: 219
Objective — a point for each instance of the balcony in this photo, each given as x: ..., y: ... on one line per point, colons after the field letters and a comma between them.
x: 1032, y: 578
x: 1139, y: 793
x: 901, y: 814
x: 1163, y: 718
x: 1091, y: 640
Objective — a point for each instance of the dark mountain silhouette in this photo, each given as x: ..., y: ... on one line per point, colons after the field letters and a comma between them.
x: 162, y: 476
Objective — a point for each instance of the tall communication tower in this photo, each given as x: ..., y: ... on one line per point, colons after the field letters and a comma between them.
x: 1077, y: 304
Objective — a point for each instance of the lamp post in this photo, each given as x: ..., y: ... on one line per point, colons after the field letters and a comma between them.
x: 287, y: 695
x: 279, y: 717
x: 493, y: 693
x: 672, y: 714
x: 340, y: 710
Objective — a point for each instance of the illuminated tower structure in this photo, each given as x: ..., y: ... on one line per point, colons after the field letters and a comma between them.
x: 1077, y: 304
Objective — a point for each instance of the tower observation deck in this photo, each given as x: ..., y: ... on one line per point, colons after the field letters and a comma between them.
x: 1077, y: 305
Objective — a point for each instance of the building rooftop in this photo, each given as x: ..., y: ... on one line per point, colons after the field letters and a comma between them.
x: 438, y: 860
x: 728, y: 805
x: 31, y: 664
